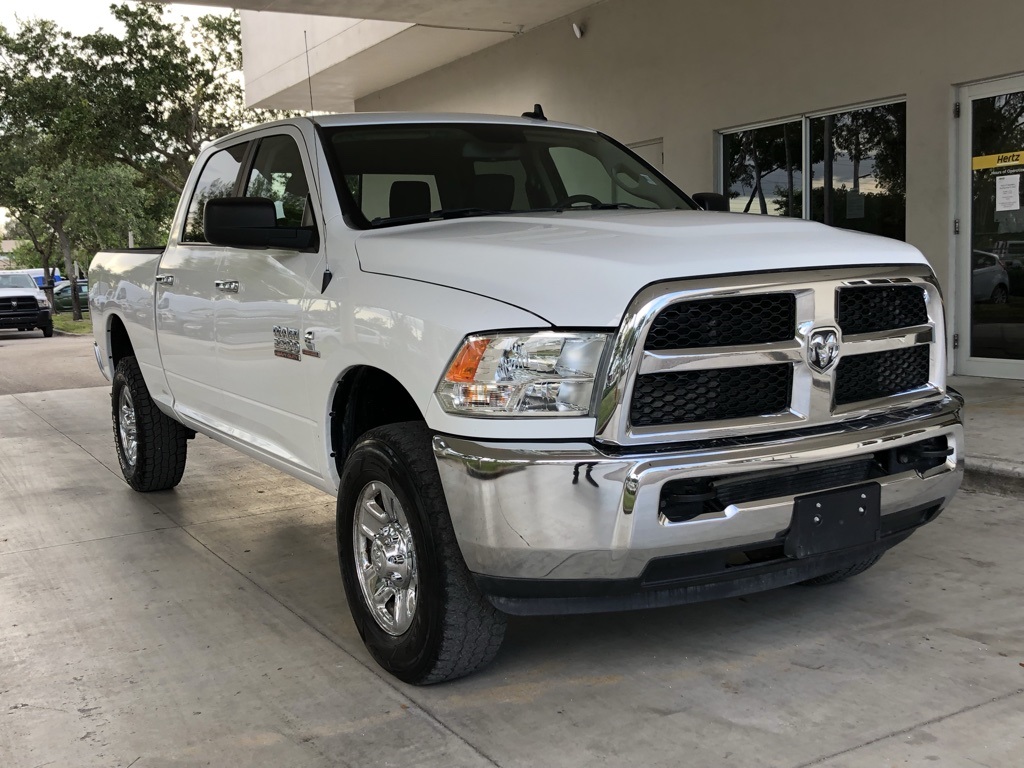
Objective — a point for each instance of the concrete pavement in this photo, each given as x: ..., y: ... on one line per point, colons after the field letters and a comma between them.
x: 30, y: 363
x: 207, y: 625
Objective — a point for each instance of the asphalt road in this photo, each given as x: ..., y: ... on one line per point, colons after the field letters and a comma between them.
x: 30, y: 363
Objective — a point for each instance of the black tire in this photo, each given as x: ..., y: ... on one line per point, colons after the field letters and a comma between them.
x: 454, y: 629
x: 48, y: 332
x: 161, y: 442
x: 1000, y: 295
x: 843, y: 573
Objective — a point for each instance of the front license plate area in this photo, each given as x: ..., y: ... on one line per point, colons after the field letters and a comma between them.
x: 834, y: 520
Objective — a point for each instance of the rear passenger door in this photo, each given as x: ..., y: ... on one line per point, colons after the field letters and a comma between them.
x: 259, y: 313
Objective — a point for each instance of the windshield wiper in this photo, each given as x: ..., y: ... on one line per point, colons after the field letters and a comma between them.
x: 442, y: 213
x: 592, y: 207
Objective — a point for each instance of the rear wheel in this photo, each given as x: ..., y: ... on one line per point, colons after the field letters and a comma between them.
x: 1000, y: 295
x: 843, y: 573
x: 151, y: 447
x: 412, y: 598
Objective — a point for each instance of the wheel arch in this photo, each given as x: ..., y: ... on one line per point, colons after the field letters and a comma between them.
x: 119, y: 343
x: 366, y: 397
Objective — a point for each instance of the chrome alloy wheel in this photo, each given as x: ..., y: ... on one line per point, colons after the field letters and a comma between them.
x: 385, y: 558
x: 127, y: 431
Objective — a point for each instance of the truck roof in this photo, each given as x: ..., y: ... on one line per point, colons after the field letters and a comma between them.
x: 396, y: 118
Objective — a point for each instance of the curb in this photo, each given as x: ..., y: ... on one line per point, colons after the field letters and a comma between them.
x: 987, y: 475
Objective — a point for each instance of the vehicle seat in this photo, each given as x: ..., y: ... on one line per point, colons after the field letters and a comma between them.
x: 409, y: 198
x: 495, y: 191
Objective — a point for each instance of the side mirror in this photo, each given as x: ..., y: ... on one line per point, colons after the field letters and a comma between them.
x: 251, y: 222
x: 712, y: 201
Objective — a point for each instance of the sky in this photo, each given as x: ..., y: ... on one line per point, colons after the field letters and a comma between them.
x: 82, y: 16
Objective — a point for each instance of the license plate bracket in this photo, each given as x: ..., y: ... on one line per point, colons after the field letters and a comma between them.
x: 834, y: 520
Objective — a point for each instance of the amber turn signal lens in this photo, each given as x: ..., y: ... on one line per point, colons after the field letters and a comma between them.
x: 463, y: 367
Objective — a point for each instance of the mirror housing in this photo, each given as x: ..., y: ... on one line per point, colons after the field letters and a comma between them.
x: 251, y: 222
x: 712, y: 201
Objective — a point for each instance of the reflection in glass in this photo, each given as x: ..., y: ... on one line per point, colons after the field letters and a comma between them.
x: 997, y: 227
x: 859, y: 170
x: 763, y: 169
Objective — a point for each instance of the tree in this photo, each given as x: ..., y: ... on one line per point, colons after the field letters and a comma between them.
x: 98, y: 133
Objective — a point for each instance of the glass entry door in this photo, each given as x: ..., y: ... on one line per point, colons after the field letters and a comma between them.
x: 990, y: 271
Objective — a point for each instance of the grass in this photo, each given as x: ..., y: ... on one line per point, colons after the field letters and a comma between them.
x: 63, y: 322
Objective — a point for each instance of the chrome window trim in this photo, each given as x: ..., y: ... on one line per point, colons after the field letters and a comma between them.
x: 812, y: 402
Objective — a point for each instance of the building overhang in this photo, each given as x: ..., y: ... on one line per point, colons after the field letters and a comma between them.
x: 325, y: 54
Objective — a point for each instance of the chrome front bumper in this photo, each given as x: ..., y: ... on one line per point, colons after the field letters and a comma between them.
x: 570, y: 511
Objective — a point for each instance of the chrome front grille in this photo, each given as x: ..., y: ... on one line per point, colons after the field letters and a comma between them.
x: 881, y: 374
x: 723, y: 322
x: 733, y: 356
x: 715, y: 394
x: 868, y: 309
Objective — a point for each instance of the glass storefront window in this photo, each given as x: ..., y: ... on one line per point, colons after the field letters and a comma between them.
x: 855, y: 160
x: 763, y: 168
x: 859, y: 171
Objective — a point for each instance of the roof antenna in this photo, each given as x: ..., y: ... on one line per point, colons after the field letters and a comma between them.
x: 537, y: 114
x: 328, y: 275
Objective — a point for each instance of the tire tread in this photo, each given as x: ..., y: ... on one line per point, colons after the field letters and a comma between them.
x: 163, y: 442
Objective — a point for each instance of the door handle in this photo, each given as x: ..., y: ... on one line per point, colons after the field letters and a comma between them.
x: 227, y: 286
x: 165, y: 279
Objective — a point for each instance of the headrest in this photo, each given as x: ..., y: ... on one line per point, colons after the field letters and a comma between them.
x: 495, y: 191
x: 409, y: 198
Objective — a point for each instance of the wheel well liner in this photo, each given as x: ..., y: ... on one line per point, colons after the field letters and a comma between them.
x: 364, y: 398
x: 119, y: 341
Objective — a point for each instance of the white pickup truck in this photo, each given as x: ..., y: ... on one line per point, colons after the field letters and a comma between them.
x: 537, y: 376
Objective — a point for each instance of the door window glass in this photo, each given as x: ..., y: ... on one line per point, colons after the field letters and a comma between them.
x: 997, y: 227
x: 277, y: 174
x: 216, y: 180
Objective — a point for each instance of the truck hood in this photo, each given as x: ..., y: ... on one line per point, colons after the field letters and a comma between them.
x: 582, y: 268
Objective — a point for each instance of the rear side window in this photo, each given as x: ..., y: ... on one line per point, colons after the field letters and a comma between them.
x: 216, y: 180
x: 277, y: 174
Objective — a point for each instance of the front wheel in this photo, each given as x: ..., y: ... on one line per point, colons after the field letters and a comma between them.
x: 411, y: 595
x: 48, y: 331
x: 151, y: 447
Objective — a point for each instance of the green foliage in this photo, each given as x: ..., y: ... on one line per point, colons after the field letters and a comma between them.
x: 99, y: 132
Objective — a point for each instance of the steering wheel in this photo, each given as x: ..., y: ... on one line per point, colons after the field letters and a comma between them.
x: 571, y: 200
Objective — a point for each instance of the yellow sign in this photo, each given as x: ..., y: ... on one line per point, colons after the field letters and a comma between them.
x: 998, y: 161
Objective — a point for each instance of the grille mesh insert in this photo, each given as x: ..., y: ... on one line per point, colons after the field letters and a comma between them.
x: 728, y: 321
x: 880, y: 308
x: 881, y: 374
x: 688, y: 397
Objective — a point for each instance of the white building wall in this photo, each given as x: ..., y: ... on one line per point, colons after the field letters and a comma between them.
x: 682, y: 70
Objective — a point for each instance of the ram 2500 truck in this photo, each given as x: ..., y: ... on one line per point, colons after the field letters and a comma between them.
x: 538, y: 377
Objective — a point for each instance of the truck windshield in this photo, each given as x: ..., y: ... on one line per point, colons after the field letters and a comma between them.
x: 17, y: 281
x: 407, y: 173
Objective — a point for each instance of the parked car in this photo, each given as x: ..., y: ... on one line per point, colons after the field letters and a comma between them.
x: 989, y: 280
x: 62, y: 297
x: 22, y: 305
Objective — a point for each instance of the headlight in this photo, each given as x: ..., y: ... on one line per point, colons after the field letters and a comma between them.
x: 546, y: 373
x: 42, y: 302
